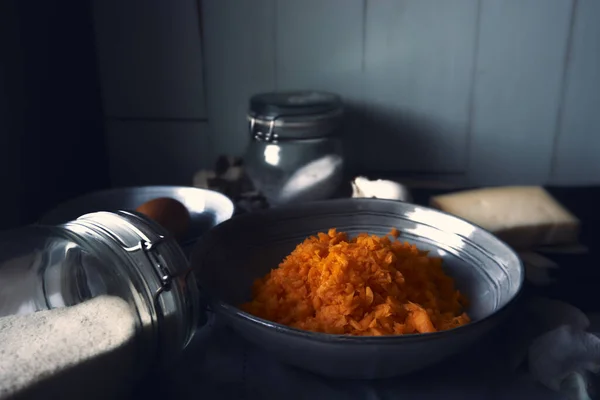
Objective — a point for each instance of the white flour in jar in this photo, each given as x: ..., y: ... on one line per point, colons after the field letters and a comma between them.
x: 84, y: 351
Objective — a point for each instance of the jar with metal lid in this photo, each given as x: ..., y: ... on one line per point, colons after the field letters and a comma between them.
x: 111, y: 287
x: 295, y: 153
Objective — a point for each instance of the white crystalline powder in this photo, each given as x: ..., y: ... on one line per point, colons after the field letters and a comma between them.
x: 65, y: 349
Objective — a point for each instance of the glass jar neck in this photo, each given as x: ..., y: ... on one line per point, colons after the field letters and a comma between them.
x: 294, y: 128
x: 154, y: 275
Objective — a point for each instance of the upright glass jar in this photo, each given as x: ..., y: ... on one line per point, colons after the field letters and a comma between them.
x: 295, y: 152
x: 100, y: 260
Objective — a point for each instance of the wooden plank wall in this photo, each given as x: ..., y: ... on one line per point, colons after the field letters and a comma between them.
x: 487, y: 91
x: 517, y: 92
x: 498, y: 91
x: 151, y: 72
x: 239, y: 39
x: 577, y: 152
x: 418, y: 69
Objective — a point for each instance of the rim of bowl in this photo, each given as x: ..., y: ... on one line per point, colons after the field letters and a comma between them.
x: 51, y: 216
x: 236, y: 312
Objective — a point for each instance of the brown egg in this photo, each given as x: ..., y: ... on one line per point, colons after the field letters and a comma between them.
x: 169, y: 213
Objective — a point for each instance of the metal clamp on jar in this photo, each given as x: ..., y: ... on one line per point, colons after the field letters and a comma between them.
x: 295, y: 153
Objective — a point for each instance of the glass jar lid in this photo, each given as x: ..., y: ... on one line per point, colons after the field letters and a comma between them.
x: 274, y: 105
x: 294, y: 115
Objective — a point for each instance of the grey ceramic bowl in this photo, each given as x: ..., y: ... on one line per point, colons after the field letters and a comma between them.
x: 233, y: 254
x: 207, y: 208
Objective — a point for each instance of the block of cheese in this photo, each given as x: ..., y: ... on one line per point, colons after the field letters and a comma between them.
x: 522, y: 216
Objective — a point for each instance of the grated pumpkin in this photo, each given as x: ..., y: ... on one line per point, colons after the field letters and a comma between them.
x: 369, y: 285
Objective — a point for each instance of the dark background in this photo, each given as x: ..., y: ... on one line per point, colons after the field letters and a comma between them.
x: 51, y: 134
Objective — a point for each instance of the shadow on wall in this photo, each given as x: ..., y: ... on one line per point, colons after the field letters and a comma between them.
x: 379, y: 138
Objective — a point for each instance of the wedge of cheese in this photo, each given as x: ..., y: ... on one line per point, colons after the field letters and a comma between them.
x: 522, y: 216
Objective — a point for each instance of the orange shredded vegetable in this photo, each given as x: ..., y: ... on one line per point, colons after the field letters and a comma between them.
x: 368, y: 285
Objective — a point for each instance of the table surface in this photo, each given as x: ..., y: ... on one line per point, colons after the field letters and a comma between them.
x: 575, y: 283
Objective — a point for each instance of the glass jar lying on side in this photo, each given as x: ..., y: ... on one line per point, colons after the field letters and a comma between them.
x: 295, y: 153
x: 88, y: 307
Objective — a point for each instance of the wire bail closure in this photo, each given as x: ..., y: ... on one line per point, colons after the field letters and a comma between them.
x: 150, y: 251
x: 267, y: 136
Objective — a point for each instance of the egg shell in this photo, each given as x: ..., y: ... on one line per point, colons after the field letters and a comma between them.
x: 169, y: 213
